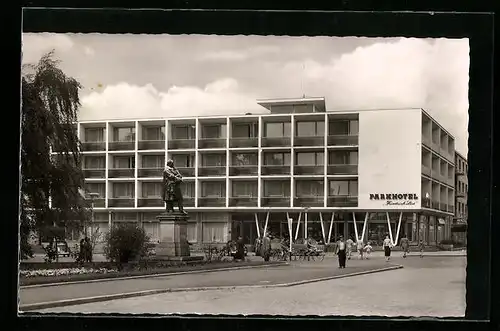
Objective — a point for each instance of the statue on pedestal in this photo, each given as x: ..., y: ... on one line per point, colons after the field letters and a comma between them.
x: 171, y: 192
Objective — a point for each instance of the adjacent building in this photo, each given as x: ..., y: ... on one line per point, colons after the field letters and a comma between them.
x: 459, y: 228
x: 296, y: 169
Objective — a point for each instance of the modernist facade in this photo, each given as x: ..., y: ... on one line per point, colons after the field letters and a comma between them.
x: 297, y: 169
x: 461, y: 190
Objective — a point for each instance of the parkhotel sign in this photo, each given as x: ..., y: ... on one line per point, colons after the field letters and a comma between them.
x: 396, y: 199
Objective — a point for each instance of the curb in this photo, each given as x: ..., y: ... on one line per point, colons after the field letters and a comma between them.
x: 80, y: 301
x: 276, y: 264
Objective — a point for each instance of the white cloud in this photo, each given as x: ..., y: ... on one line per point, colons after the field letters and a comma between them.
x: 132, y: 101
x: 37, y: 45
x: 238, y: 55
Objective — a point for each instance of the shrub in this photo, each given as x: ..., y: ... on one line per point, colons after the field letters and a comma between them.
x: 125, y: 242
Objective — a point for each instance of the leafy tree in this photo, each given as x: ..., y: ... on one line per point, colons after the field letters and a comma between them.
x: 50, y: 102
x: 124, y: 242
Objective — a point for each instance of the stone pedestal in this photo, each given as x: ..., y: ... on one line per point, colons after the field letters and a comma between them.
x: 173, y: 236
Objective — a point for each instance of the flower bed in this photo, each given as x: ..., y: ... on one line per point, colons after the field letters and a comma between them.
x: 64, y: 272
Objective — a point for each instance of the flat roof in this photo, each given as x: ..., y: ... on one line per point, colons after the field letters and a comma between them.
x: 318, y: 102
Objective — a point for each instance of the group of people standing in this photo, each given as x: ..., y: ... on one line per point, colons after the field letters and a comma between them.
x: 344, y: 249
x: 85, y: 254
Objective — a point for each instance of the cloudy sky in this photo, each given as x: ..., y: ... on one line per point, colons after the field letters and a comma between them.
x: 148, y: 76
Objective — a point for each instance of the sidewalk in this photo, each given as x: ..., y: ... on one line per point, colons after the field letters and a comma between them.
x: 245, y: 277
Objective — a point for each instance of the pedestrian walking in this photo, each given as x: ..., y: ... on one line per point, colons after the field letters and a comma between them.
x: 240, y: 250
x: 368, y: 250
x: 405, y: 246
x: 421, y: 248
x: 359, y: 247
x: 341, y: 252
x: 387, y: 248
x: 265, y: 247
x: 349, y: 242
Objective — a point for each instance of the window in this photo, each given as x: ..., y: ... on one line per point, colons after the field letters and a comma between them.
x: 244, y: 189
x: 277, y: 159
x: 124, y: 162
x: 338, y: 128
x: 192, y: 229
x: 309, y: 159
x: 183, y: 132
x: 94, y: 134
x: 277, y: 130
x: 124, y: 216
x: 153, y: 133
x: 343, y: 157
x: 213, y: 160
x: 124, y: 134
x: 151, y: 190
x: 343, y: 188
x: 153, y: 161
x: 96, y: 188
x: 123, y: 190
x: 310, y: 188
x: 276, y: 188
x: 214, y: 131
x: 213, y: 189
x: 187, y: 189
x: 243, y: 159
x: 213, y: 232
x: 303, y: 108
x: 245, y: 130
x: 308, y: 129
x: 94, y: 162
x: 183, y: 160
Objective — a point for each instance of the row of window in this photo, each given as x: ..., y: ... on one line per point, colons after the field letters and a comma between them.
x: 461, y: 209
x: 240, y: 188
x: 219, y: 131
x: 219, y: 159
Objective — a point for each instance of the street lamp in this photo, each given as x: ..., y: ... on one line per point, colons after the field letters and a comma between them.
x: 92, y: 197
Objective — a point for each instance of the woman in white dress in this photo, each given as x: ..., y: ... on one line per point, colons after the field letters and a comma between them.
x: 387, y: 248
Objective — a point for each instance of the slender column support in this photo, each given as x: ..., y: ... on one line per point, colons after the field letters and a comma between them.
x: 305, y: 224
x: 267, y: 221
x: 322, y: 226
x: 257, y: 224
x: 399, y: 227
x: 290, y: 229
x: 355, y: 226
x: 365, y: 226
x: 331, y: 227
x: 390, y: 229
x: 298, y: 226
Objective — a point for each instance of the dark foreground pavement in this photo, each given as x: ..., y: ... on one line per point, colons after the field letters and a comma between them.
x: 295, y: 272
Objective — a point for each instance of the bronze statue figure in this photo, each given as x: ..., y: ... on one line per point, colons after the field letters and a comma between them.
x: 172, y: 193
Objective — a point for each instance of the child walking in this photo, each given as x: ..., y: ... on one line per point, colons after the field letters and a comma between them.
x: 368, y: 250
x: 349, y: 244
x: 421, y: 247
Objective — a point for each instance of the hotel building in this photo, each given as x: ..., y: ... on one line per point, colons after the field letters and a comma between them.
x: 459, y: 227
x: 296, y: 169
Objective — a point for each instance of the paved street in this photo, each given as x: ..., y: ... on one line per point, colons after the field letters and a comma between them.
x: 433, y: 286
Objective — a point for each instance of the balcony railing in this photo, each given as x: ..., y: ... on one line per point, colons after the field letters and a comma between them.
x: 244, y: 170
x: 309, y: 170
x: 151, y: 144
x: 186, y: 171
x: 121, y: 145
x: 150, y: 202
x: 181, y: 144
x: 426, y: 203
x: 309, y: 141
x: 276, y: 142
x: 243, y: 142
x: 460, y: 194
x: 308, y: 201
x: 451, y: 208
x: 149, y: 172
x: 243, y: 202
x: 98, y: 202
x: 435, y: 146
x: 460, y: 172
x: 443, y: 206
x: 212, y: 201
x: 426, y: 140
x: 343, y: 140
x: 88, y: 146
x: 121, y: 202
x: 342, y: 201
x: 275, y: 170
x: 212, y: 171
x: 342, y: 169
x: 435, y: 205
x: 94, y: 173
x: 426, y: 170
x: 275, y: 202
x: 188, y: 201
x: 121, y: 173
x: 212, y: 143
